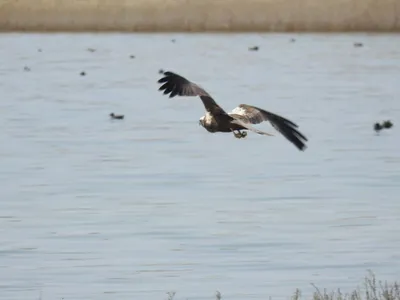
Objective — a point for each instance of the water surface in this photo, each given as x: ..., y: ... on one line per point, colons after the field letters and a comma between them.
x: 92, y: 208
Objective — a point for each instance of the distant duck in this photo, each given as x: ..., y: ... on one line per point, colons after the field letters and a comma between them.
x: 378, y: 127
x: 118, y: 117
x: 255, y: 48
x: 357, y: 45
x: 387, y: 124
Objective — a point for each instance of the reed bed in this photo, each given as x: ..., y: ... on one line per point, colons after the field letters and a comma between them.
x: 200, y: 15
x: 371, y: 289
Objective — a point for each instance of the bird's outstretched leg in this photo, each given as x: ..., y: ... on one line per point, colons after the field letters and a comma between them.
x: 239, y: 134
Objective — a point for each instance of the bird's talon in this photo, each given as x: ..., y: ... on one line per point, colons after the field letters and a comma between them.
x: 237, y: 135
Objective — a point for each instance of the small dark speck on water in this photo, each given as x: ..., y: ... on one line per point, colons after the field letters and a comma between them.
x: 27, y: 69
x: 358, y: 45
x: 39, y: 50
x: 118, y: 117
x: 377, y: 127
x: 132, y: 56
x: 385, y: 125
x: 83, y: 73
x: 255, y: 48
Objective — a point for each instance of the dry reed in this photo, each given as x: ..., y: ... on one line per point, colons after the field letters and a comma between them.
x: 200, y: 15
x: 371, y: 290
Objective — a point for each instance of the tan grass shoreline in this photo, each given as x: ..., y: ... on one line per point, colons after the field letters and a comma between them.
x: 200, y: 15
x: 371, y: 289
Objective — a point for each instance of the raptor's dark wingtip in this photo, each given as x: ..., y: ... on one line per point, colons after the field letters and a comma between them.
x: 162, y: 79
x: 165, y: 77
x: 303, y: 148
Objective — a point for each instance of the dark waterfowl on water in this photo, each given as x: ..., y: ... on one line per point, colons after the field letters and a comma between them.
x: 117, y: 117
x: 239, y: 119
x: 387, y: 124
x: 255, y: 48
x: 377, y: 127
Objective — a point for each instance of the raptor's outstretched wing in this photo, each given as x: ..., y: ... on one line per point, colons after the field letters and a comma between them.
x: 175, y: 84
x: 254, y: 115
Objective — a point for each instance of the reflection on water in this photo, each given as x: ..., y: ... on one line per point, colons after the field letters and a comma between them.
x: 93, y: 208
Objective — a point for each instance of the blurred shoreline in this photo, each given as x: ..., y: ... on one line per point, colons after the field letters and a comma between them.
x: 200, y: 16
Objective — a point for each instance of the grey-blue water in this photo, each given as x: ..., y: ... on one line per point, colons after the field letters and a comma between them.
x: 92, y: 208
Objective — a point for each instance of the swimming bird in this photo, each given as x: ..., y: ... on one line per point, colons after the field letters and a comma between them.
x: 239, y: 119
x: 387, y: 124
x: 118, y: 117
x: 378, y: 127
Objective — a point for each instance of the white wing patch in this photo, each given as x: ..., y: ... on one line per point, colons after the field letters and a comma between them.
x: 208, y: 117
x: 239, y: 111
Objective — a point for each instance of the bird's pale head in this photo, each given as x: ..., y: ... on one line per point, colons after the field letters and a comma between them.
x: 201, y: 121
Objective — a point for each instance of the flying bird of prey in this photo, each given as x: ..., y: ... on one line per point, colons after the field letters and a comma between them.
x: 239, y: 119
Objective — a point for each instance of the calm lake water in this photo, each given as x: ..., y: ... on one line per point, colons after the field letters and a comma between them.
x: 92, y: 208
